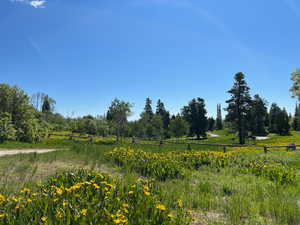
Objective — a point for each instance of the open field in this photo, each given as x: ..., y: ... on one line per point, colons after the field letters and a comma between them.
x: 244, y: 186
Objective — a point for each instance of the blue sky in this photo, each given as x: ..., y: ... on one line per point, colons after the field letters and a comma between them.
x: 84, y: 53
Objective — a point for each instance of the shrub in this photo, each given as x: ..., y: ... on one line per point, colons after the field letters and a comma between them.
x: 7, y: 130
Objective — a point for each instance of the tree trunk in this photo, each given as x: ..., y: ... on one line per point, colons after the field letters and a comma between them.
x: 198, y: 136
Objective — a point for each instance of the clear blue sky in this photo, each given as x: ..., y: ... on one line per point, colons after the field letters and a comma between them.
x: 84, y: 53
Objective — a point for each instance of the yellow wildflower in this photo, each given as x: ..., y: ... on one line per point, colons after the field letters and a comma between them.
x: 59, y: 214
x: 25, y: 190
x: 117, y: 221
x: 59, y: 191
x: 180, y: 203
x: 189, y: 212
x: 44, y: 219
x: 65, y: 203
x: 2, y: 198
x: 96, y: 186
x: 84, y: 212
x: 170, y: 215
x: 161, y: 207
x: 147, y: 193
x: 14, y: 199
x: 2, y: 215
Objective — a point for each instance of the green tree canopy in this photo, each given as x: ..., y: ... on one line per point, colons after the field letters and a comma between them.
x: 258, y: 116
x: 195, y: 115
x: 178, y: 127
x: 239, y: 106
x: 15, y: 107
x: 117, y: 114
x: 295, y: 89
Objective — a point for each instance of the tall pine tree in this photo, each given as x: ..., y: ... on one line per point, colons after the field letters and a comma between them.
x: 164, y: 114
x: 219, y: 121
x: 296, y: 119
x: 148, y: 108
x: 239, y: 106
x: 279, y: 120
x: 273, y: 118
x: 258, y: 116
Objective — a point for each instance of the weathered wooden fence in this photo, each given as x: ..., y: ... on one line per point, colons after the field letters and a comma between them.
x: 266, y: 148
x: 159, y: 142
x: 72, y: 137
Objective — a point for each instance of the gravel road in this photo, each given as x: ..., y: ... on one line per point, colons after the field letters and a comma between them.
x: 4, y: 152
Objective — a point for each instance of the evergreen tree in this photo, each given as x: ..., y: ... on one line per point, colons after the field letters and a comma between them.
x: 239, y: 106
x: 279, y: 121
x: 157, y: 126
x: 178, y: 126
x: 258, y: 116
x: 48, y: 104
x: 273, y: 118
x: 146, y: 119
x: 211, y: 124
x: 164, y: 114
x: 148, y: 108
x: 283, y: 124
x: 296, y: 119
x: 219, y: 121
x: 195, y: 115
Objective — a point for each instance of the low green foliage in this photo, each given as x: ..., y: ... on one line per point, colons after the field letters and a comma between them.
x: 174, y: 164
x: 82, y: 197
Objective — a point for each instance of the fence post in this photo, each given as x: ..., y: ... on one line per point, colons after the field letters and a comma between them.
x: 161, y: 142
x: 189, y: 147
x: 133, y: 140
x: 224, y: 149
x: 292, y: 146
x: 91, y: 139
x: 266, y: 149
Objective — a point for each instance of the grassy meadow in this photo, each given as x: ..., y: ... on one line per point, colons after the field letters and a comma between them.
x: 125, y: 183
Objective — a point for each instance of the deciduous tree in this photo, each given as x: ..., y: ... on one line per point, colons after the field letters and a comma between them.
x: 117, y: 114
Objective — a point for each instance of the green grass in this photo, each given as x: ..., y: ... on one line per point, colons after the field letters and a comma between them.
x: 216, y: 196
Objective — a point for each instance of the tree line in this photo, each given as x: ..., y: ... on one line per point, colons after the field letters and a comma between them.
x: 30, y: 119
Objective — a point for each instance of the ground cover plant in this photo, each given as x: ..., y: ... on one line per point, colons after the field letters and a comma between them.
x: 83, y: 197
x: 174, y: 164
x: 241, y: 186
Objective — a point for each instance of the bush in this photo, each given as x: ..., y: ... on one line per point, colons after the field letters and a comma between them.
x: 32, y: 130
x: 7, y: 130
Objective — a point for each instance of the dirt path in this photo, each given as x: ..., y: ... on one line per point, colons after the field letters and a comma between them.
x: 4, y: 152
x: 213, y: 135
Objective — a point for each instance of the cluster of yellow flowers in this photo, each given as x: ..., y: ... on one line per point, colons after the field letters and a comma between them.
x: 168, y: 164
x: 165, y: 165
x: 89, y: 198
